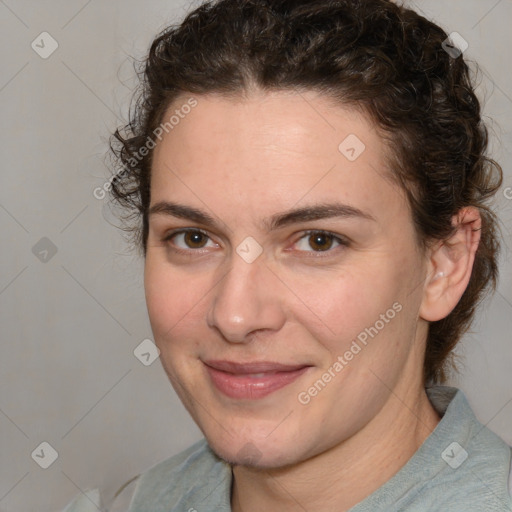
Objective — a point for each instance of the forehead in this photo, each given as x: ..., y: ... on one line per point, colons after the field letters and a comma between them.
x: 272, y: 150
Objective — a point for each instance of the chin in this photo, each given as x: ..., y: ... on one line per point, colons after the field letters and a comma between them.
x: 254, y: 453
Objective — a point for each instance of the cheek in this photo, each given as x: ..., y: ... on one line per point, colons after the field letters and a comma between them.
x: 339, y: 307
x: 170, y: 296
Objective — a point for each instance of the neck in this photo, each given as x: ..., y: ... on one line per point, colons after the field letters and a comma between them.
x: 344, y: 475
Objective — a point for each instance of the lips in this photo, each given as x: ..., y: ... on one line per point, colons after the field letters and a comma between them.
x: 255, y: 367
x: 250, y: 381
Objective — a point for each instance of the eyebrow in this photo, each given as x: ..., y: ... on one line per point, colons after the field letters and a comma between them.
x: 307, y: 213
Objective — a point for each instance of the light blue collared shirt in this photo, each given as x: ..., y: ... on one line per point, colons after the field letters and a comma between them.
x: 461, y: 467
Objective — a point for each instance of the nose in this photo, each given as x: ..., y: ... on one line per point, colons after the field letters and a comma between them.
x: 248, y: 299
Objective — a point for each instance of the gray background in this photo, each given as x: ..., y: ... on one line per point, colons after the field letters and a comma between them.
x: 69, y: 325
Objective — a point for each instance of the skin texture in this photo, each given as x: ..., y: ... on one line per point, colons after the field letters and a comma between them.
x: 242, y: 161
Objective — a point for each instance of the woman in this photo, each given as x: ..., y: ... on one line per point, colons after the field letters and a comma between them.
x: 311, y: 181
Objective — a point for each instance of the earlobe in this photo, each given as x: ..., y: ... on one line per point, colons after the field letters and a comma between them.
x: 450, y: 265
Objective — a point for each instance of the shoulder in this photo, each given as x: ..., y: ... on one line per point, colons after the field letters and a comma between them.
x: 179, y: 483
x: 194, y: 462
x: 476, y: 477
x: 461, y: 466
x: 475, y: 470
x: 183, y: 481
x: 88, y: 501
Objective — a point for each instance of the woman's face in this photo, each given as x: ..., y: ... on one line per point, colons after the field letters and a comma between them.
x: 331, y: 292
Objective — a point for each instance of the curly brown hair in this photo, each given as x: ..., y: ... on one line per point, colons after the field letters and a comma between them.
x: 374, y: 54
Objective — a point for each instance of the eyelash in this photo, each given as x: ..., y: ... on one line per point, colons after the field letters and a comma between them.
x: 343, y: 243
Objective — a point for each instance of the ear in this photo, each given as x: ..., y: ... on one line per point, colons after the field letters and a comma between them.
x: 450, y: 265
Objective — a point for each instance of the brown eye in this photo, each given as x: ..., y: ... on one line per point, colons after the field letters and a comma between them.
x: 194, y: 239
x: 187, y: 239
x: 319, y: 241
